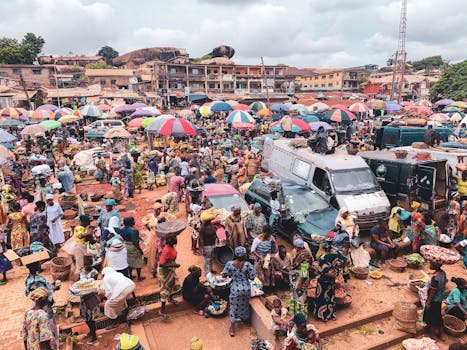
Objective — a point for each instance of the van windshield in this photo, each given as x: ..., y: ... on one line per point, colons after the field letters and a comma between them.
x: 353, y: 180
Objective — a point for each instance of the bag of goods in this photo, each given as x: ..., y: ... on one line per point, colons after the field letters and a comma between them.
x: 208, y: 215
x: 439, y: 255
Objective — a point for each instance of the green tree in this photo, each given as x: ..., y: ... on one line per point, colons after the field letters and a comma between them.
x: 31, y: 46
x: 10, y: 51
x: 427, y: 63
x: 108, y: 53
x: 452, y: 85
x: 99, y: 65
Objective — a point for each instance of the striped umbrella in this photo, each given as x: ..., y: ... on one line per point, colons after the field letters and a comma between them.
x: 48, y: 107
x: 340, y: 106
x: 451, y: 109
x: 241, y: 107
x: 13, y: 113
x: 68, y: 119
x: 298, y: 125
x: 177, y: 127
x: 301, y: 109
x: 220, y: 106
x: 244, y: 126
x: 90, y: 111
x: 265, y: 113
x: 458, y: 104
x: 41, y: 114
x: 359, y: 107
x: 339, y: 116
x: 61, y: 112
x: 156, y: 123
x: 318, y: 107
x: 456, y: 117
x: 424, y: 103
x: 444, y: 102
x: 135, y: 123
x: 205, y: 110
x: 439, y: 117
x: 257, y: 106
x: 240, y: 117
x: 50, y: 124
x: 378, y: 105
x: 147, y: 121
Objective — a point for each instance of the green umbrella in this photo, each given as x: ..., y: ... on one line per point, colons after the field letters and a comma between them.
x: 8, y: 123
x: 50, y: 124
x: 147, y: 121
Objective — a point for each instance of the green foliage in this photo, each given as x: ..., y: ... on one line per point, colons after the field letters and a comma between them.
x: 427, y: 63
x: 99, y: 65
x: 25, y: 52
x: 108, y: 53
x: 453, y: 83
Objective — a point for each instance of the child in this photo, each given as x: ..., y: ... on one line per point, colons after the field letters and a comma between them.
x: 280, y: 318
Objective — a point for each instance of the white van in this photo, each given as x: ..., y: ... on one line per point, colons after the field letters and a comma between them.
x: 344, y: 180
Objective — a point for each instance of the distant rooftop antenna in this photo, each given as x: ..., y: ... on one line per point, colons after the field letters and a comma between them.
x: 400, y: 57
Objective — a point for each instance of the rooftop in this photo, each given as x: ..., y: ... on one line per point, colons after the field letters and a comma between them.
x: 109, y: 72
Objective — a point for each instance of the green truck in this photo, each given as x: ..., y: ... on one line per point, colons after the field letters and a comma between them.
x: 396, y: 136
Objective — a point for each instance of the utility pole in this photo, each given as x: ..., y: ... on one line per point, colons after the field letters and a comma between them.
x: 23, y: 84
x: 56, y: 82
x: 400, y: 57
x: 265, y: 82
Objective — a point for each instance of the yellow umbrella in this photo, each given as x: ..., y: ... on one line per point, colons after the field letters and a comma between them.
x: 205, y: 110
x: 265, y: 112
x: 68, y: 118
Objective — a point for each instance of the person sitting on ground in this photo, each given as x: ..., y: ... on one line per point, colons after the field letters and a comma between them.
x: 282, y: 264
x: 381, y: 240
x: 194, y: 292
x: 431, y: 232
x: 302, y: 335
x: 456, y: 302
x: 281, y: 318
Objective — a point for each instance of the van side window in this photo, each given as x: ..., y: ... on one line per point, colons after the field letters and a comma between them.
x: 301, y: 169
x: 321, y: 180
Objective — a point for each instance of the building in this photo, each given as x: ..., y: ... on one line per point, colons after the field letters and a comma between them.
x: 415, y: 86
x: 81, y: 61
x: 34, y: 76
x: 113, y: 78
x: 348, y: 79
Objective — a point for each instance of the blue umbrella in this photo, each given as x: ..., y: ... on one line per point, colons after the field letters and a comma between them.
x: 309, y: 118
x: 5, y: 136
x: 316, y: 125
x: 220, y: 107
x: 240, y: 117
x: 279, y: 108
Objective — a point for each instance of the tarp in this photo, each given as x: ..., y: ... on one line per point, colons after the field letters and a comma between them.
x: 197, y: 97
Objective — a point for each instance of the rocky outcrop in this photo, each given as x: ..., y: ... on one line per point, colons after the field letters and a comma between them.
x: 222, y: 51
x: 138, y: 57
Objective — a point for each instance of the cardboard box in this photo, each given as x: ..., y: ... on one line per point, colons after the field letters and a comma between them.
x: 11, y: 255
x: 29, y: 259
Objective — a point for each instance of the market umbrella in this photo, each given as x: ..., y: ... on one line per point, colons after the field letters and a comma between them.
x: 12, y: 112
x: 125, y: 109
x: 316, y: 125
x: 220, y: 106
x: 5, y: 136
x: 232, y: 103
x: 48, y: 107
x: 61, y: 112
x: 104, y: 107
x: 68, y: 119
x: 340, y: 106
x: 41, y: 114
x: 419, y: 109
x: 257, y: 106
x: 241, y: 107
x: 135, y: 123
x: 137, y: 105
x: 338, y: 115
x: 177, y: 127
x: 5, y: 153
x: 392, y: 106
x: 244, y: 126
x: 90, y: 111
x: 444, y: 102
x: 151, y: 109
x: 378, y: 105
x: 9, y: 123
x: 458, y: 104
x: 451, y: 109
x: 359, y: 107
x: 156, y: 123
x: 456, y: 116
x: 318, y: 107
x: 298, y: 125
x: 204, y: 110
x: 424, y: 103
x: 146, y: 122
x: 185, y: 113
x: 142, y: 113
x: 309, y: 118
x: 240, y: 117
x: 301, y: 109
x: 279, y: 107
x: 439, y: 117
x: 116, y: 133
x: 33, y: 130
x: 265, y: 112
x: 50, y: 124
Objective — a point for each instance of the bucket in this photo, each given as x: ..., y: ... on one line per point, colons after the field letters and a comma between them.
x: 223, y: 254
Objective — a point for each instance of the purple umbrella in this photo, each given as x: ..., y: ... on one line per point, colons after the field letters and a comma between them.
x: 316, y: 125
x: 125, y: 109
x: 392, y: 106
x: 138, y: 105
x: 48, y: 107
x: 444, y: 102
x: 142, y: 113
x: 23, y: 118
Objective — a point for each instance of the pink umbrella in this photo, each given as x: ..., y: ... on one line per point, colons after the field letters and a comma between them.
x: 243, y: 126
x: 359, y: 107
x: 135, y: 123
x: 104, y: 107
x: 13, y: 113
x: 177, y: 127
x: 439, y: 117
x: 340, y: 106
x: 41, y: 114
x: 241, y: 107
x: 419, y: 109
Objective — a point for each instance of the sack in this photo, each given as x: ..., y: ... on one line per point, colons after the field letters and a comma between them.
x: 409, y: 327
x: 356, y: 241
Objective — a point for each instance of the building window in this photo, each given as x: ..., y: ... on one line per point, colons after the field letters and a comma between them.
x: 316, y: 85
x: 224, y: 72
x: 195, y: 71
x: 331, y: 76
x: 237, y: 72
x: 226, y: 86
x: 195, y: 86
x: 212, y: 86
x: 215, y: 71
x: 323, y: 85
x: 330, y: 84
x: 36, y: 71
x: 15, y: 70
x: 103, y: 82
x: 173, y: 70
x: 316, y: 77
x: 113, y: 82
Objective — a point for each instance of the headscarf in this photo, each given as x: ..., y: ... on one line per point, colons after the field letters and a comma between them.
x: 39, y: 294
x: 110, y: 201
x: 240, y: 252
x: 299, y: 243
x: 235, y: 208
x: 299, y: 319
x: 257, y: 205
x: 49, y: 196
x: 415, y: 205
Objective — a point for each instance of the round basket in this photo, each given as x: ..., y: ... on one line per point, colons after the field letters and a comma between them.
x: 401, y: 154
x: 69, y: 214
x: 405, y: 312
x: 397, y: 265
x: 60, y: 264
x: 62, y: 276
x: 170, y: 228
x: 360, y: 273
x: 453, y: 325
x: 346, y: 301
x: 414, y: 285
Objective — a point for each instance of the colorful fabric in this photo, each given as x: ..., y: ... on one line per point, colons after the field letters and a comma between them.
x: 254, y: 224
x: 138, y: 174
x: 19, y: 232
x: 36, y: 330
x: 168, y: 282
x: 89, y: 306
x: 295, y: 342
x: 80, y: 231
x: 38, y: 227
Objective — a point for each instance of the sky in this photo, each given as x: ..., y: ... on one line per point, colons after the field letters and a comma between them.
x: 300, y: 33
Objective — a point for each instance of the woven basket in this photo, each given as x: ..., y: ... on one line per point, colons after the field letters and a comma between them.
x: 360, y: 273
x: 401, y: 154
x: 405, y: 312
x: 62, y: 276
x: 60, y: 264
x: 453, y: 325
x: 397, y: 265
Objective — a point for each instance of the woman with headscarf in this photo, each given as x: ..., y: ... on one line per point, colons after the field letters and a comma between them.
x: 129, y: 180
x: 138, y: 175
x: 154, y: 243
x: 168, y: 280
x: 54, y: 214
x: 302, y: 335
x: 254, y: 222
x: 299, y: 277
x: 105, y: 217
x: 235, y: 228
x: 80, y: 234
x: 329, y: 266
x: 115, y: 182
x: 436, y: 292
x: 66, y: 178
x: 195, y: 292
x: 263, y: 248
x: 417, y: 225
x: 37, y: 331
x: 89, y: 305
x: 35, y: 281
x: 456, y: 302
x: 117, y: 288
x: 19, y: 236
x: 132, y: 242
x: 241, y: 271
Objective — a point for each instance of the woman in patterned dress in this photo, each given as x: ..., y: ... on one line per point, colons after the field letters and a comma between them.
x: 89, y: 305
x: 19, y: 232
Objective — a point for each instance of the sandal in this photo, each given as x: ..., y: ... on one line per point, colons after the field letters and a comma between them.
x: 173, y: 301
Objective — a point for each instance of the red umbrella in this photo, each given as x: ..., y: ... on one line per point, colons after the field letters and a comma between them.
x: 243, y: 126
x: 177, y: 127
x: 41, y: 114
x: 339, y: 106
x: 13, y: 113
x: 241, y: 107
